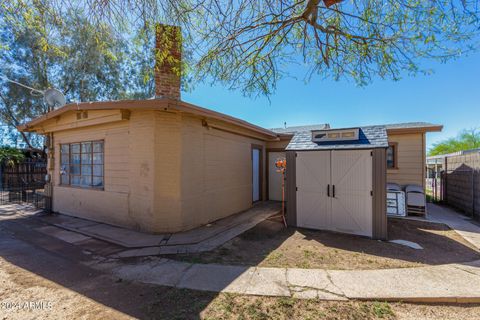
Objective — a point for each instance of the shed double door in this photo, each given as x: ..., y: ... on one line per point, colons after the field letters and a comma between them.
x: 334, y: 190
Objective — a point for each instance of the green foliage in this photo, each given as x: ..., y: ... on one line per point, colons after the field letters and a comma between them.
x: 466, y: 140
x: 382, y: 310
x: 10, y: 155
x: 250, y: 45
x: 42, y: 48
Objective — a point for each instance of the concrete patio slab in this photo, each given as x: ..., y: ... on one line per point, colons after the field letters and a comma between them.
x: 121, y: 236
x: 67, y: 222
x: 163, y: 272
x: 248, y: 218
x: 456, y: 221
x: 216, y: 278
x: 140, y: 244
x: 62, y: 234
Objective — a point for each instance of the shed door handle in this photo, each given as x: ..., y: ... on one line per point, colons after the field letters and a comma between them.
x: 333, y: 191
x: 328, y: 190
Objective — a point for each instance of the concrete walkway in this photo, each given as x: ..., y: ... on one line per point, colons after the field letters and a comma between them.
x: 442, y: 283
x: 456, y: 221
x: 139, y: 244
x: 445, y: 283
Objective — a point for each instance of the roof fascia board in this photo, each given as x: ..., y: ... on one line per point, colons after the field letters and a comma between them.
x: 154, y: 104
x: 414, y: 130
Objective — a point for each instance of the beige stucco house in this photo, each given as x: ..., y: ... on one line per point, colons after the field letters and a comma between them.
x: 164, y: 165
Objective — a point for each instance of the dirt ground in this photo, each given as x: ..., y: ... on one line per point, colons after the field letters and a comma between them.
x: 53, y: 301
x: 44, y: 278
x: 25, y: 295
x: 19, y: 286
x: 271, y: 245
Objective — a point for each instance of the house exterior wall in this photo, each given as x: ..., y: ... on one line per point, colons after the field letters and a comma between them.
x: 164, y: 171
x: 277, y: 145
x: 121, y: 199
x: 410, y: 159
x: 216, y: 175
x: 167, y: 172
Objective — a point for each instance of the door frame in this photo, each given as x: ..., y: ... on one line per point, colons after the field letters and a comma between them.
x: 260, y: 171
x: 267, y: 170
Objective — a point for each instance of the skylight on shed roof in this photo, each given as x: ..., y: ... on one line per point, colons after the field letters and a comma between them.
x: 335, y: 135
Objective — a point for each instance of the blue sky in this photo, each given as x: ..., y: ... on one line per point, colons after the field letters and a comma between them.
x: 450, y: 96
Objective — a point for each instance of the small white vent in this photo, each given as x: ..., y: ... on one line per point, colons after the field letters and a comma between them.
x: 335, y: 135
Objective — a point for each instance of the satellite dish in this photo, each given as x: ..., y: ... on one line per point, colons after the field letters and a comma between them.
x: 54, y: 98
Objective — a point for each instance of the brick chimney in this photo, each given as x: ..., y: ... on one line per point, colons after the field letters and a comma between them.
x: 168, y: 61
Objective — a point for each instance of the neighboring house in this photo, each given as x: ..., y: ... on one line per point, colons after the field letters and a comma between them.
x: 407, y: 152
x: 164, y: 165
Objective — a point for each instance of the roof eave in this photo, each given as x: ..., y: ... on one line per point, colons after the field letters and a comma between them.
x: 153, y: 104
x: 435, y: 128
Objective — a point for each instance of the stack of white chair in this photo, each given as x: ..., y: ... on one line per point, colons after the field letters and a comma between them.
x: 416, y: 203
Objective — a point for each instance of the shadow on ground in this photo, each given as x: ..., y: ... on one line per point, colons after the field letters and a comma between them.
x: 60, y: 262
x: 269, y: 244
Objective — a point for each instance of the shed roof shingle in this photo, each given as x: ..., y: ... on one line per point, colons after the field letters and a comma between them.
x: 369, y: 137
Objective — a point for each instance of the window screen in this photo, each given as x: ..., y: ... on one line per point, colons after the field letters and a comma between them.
x: 81, y: 164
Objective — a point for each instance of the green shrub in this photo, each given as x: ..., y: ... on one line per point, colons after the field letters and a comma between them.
x: 10, y: 155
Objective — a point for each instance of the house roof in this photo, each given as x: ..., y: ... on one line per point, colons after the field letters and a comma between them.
x: 413, y: 126
x: 152, y: 104
x: 170, y: 104
x: 392, y: 127
x: 369, y: 137
x: 453, y: 154
x: 292, y: 130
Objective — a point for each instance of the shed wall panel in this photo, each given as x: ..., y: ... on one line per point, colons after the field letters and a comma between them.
x: 379, y: 204
x: 291, y: 196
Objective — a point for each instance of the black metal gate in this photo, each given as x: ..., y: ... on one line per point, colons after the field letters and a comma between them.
x: 24, y: 183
